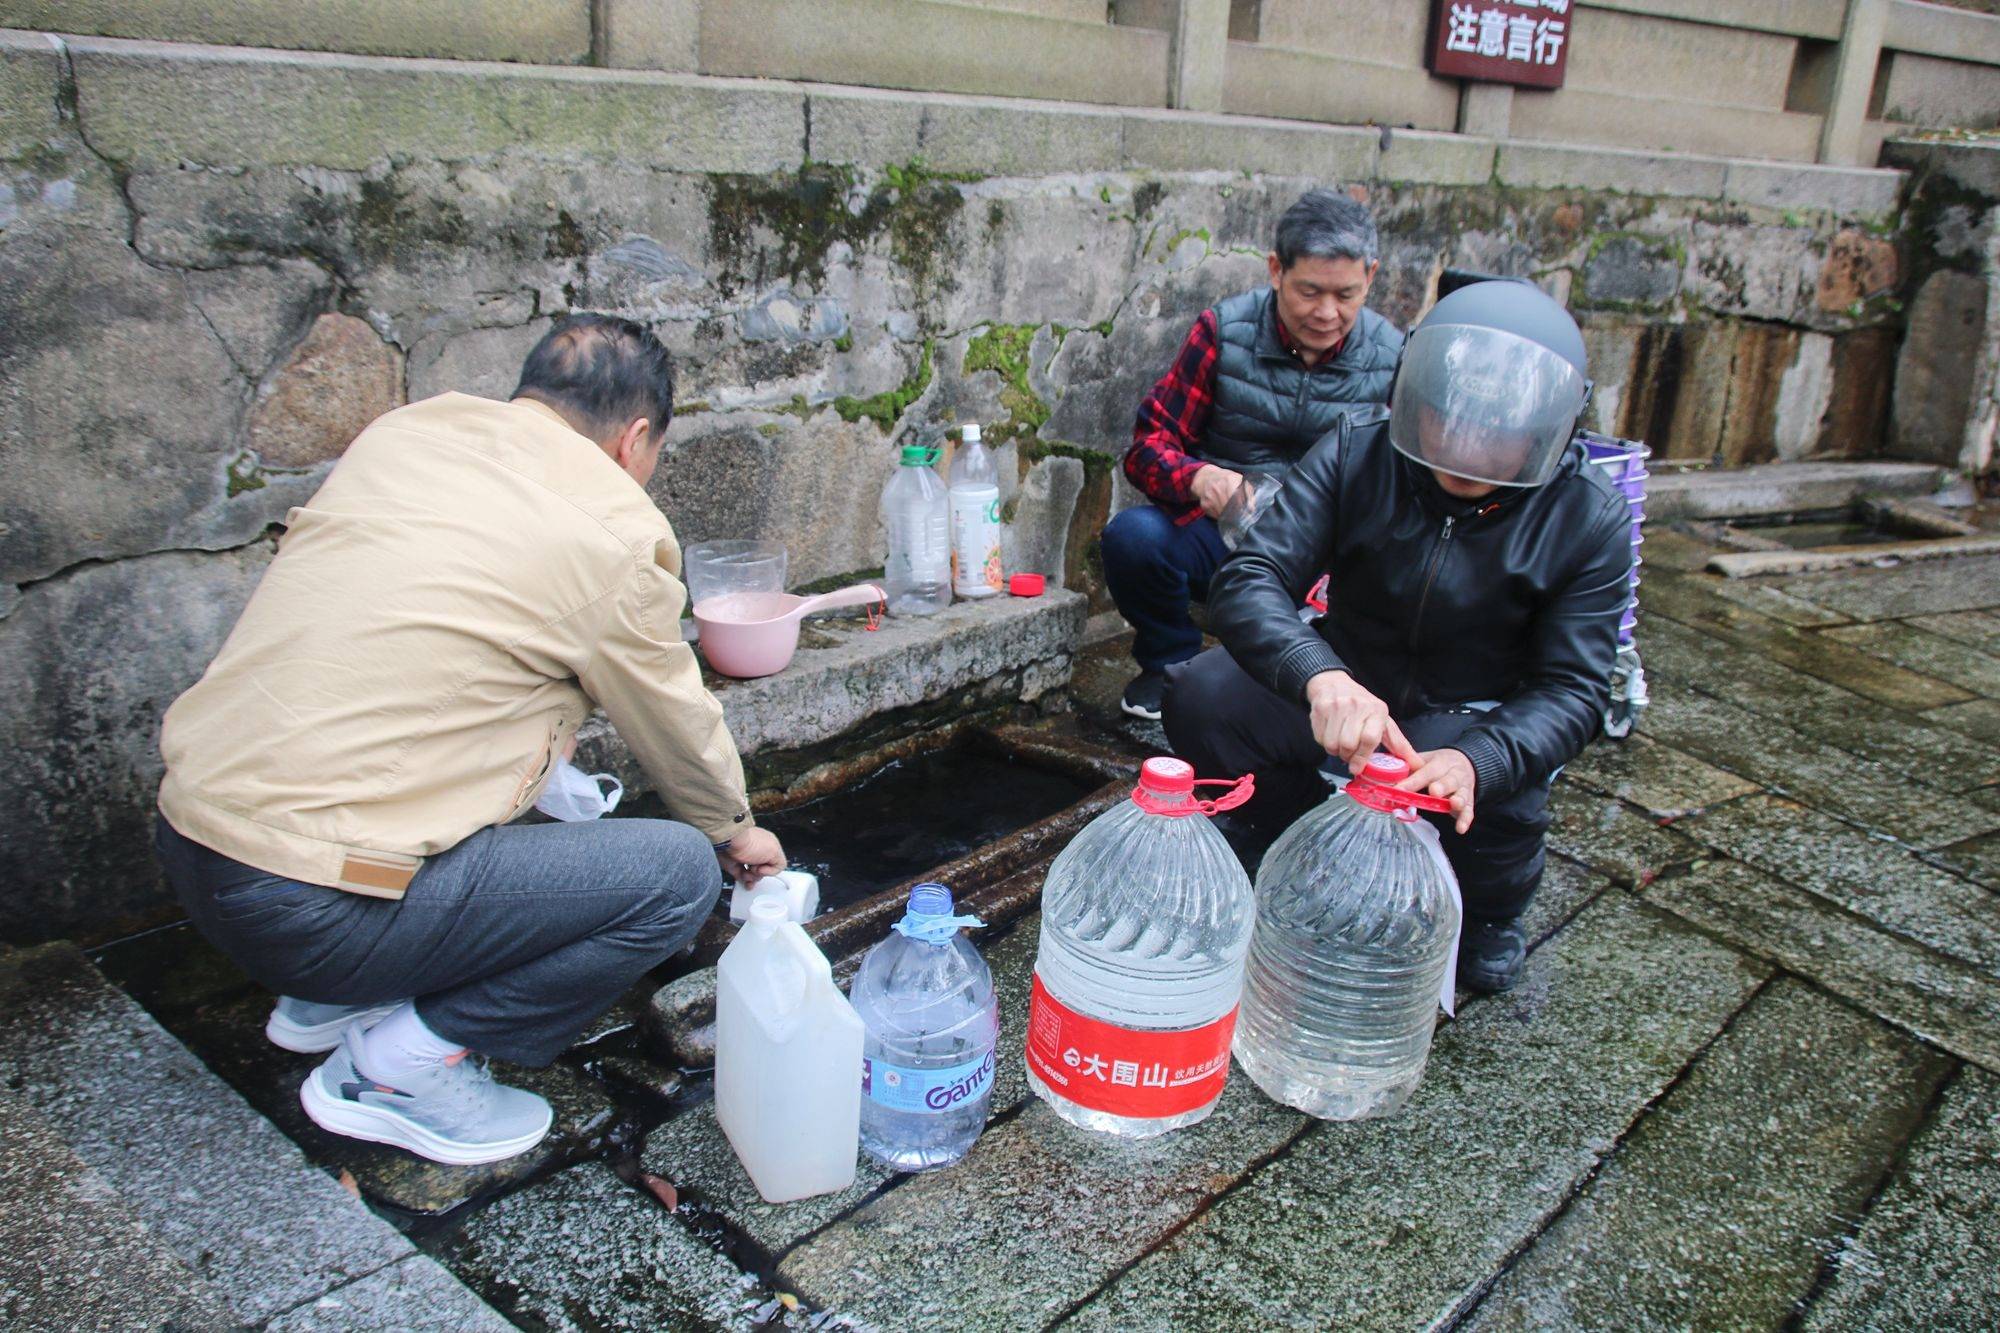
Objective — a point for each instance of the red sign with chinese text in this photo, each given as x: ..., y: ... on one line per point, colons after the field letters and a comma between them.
x: 1122, y: 1071
x: 1502, y: 41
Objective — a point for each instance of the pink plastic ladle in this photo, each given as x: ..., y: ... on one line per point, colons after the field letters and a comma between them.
x: 750, y: 634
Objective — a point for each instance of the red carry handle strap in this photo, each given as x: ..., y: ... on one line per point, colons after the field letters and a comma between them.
x: 1240, y: 790
x: 1394, y: 800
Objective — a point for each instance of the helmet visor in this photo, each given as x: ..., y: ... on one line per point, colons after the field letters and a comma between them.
x: 1484, y: 405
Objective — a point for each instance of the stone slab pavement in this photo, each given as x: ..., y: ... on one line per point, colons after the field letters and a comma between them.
x: 1749, y: 1081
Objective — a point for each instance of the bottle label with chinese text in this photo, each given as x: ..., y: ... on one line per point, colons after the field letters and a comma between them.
x: 926, y: 1091
x: 1123, y: 1071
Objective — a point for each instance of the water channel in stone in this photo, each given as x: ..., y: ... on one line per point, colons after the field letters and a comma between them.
x: 906, y: 817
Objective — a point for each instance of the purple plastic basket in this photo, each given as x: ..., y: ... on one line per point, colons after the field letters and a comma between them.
x: 1624, y: 462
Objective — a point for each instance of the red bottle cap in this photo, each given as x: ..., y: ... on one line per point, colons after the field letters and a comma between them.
x: 1027, y: 585
x: 1169, y: 777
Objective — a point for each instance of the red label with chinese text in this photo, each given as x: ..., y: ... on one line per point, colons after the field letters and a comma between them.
x: 1123, y: 1071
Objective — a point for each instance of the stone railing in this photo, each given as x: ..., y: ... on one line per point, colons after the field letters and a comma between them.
x: 1797, y: 80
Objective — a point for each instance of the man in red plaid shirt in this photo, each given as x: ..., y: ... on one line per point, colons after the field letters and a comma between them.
x: 1261, y: 376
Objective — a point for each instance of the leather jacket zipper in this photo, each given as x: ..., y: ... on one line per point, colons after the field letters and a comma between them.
x: 1423, y: 600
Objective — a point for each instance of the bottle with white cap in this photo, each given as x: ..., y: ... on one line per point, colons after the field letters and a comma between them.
x: 975, y: 519
x: 787, y: 1059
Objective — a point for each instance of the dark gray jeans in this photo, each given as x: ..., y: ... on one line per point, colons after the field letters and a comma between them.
x: 1227, y: 724
x: 510, y: 943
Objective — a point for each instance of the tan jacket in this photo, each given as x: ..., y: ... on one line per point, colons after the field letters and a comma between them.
x: 436, y: 625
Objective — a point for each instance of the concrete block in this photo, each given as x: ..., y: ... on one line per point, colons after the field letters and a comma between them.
x: 963, y: 134
x: 1944, y: 342
x: 550, y: 32
x: 1847, y: 191
x: 72, y: 1254
x: 939, y: 47
x: 1663, y: 125
x: 1926, y: 1255
x: 415, y: 1296
x: 1726, y: 1199
x: 1671, y: 58
x: 1299, y: 85
x: 911, y: 660
x: 1922, y: 588
x: 1201, y: 39
x: 1183, y: 141
x: 1423, y: 157
x: 1951, y: 32
x: 214, y: 1180
x: 154, y: 105
x: 1349, y: 29
x: 30, y: 70
x: 1486, y: 109
x: 1973, y: 165
x: 650, y: 34
x: 1780, y: 488
x: 1540, y: 166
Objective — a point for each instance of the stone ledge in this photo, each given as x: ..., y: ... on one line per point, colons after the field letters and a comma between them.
x: 550, y: 32
x: 1018, y: 648
x: 156, y: 104
x: 1781, y: 488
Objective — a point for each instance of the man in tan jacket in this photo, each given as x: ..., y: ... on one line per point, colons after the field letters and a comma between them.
x: 341, y: 784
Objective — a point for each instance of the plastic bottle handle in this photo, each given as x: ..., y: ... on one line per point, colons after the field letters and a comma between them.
x: 1394, y: 800
x: 1240, y: 790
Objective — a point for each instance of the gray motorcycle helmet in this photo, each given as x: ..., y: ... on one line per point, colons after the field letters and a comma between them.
x: 1491, y: 385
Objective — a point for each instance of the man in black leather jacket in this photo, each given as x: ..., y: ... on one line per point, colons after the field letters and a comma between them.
x: 1479, y: 569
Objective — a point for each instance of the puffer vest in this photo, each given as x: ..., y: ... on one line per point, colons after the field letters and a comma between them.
x: 1269, y: 409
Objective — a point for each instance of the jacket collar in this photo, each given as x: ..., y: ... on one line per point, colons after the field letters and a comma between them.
x: 1275, y: 343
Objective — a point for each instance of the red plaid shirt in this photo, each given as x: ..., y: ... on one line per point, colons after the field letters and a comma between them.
x: 1172, y: 418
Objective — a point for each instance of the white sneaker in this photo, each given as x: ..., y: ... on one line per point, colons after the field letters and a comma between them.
x: 451, y: 1111
x: 308, y: 1028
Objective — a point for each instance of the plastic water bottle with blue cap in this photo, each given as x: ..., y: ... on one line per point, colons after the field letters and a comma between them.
x: 926, y: 998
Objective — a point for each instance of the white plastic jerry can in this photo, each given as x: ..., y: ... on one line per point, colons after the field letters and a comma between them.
x: 787, y: 1059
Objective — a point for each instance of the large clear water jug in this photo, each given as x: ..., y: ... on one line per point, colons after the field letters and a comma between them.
x: 926, y: 998
x: 1145, y: 919
x: 1357, y: 939
x: 787, y: 1059
x: 916, y: 511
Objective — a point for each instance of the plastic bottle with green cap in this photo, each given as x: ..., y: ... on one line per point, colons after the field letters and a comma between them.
x: 916, y: 510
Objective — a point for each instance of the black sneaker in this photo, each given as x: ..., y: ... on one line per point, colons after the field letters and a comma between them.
x: 1491, y: 955
x: 1144, y: 696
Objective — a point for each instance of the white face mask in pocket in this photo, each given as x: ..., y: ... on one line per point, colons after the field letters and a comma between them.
x: 572, y: 794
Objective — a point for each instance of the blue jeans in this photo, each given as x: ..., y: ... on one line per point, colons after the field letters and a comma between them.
x: 1154, y: 567
x: 510, y: 943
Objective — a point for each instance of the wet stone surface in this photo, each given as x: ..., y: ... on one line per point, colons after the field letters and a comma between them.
x: 1662, y: 781
x: 1922, y: 587
x: 1948, y: 1003
x: 1684, y: 599
x: 1975, y: 629
x: 1869, y: 876
x: 1721, y: 1206
x: 1932, y: 654
x: 1927, y: 1255
x: 1979, y: 719
x: 1920, y: 746
x: 587, y: 1251
x: 1833, y: 780
x: 1611, y: 837
x: 1397, y: 1222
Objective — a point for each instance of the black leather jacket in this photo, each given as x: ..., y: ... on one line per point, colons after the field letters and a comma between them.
x: 1436, y: 601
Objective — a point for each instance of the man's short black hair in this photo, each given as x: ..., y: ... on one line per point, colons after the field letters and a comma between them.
x: 602, y: 372
x: 1326, y: 224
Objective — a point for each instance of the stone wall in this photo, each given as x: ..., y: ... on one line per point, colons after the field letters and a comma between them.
x: 215, y: 266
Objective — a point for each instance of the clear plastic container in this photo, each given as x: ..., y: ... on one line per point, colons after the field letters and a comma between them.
x: 1247, y: 505
x: 1146, y: 916
x: 719, y: 568
x: 787, y: 1059
x: 926, y: 998
x: 916, y: 509
x: 975, y: 520
x: 1357, y: 936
